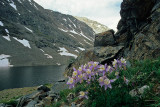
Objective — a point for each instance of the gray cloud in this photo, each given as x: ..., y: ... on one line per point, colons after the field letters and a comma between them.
x: 103, y: 11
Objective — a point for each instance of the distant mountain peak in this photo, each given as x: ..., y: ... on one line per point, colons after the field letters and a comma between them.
x: 96, y: 26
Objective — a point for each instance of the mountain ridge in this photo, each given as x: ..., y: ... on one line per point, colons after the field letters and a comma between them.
x: 43, y: 36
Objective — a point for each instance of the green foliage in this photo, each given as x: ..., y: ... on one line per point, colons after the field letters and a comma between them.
x: 118, y: 95
x: 12, y: 101
x: 140, y: 73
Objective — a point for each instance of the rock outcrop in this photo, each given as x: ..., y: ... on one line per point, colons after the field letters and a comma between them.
x: 138, y: 35
x: 104, y: 39
x: 138, y: 29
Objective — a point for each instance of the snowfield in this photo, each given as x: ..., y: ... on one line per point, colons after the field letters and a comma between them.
x: 64, y: 52
x: 24, y: 42
x: 4, y: 61
x: 7, y: 37
x: 1, y: 24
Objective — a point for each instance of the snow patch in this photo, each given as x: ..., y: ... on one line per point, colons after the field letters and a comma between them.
x: 1, y: 24
x: 72, y: 35
x: 85, y: 36
x: 64, y: 51
x: 19, y: 1
x: 35, y: 6
x: 81, y: 43
x: 82, y: 49
x: 63, y: 30
x: 29, y: 11
x: 7, y: 37
x: 24, y: 42
x: 2, y: 3
x: 4, y: 62
x: 77, y: 50
x: 87, y: 42
x: 48, y: 56
x: 42, y: 50
x: 58, y: 63
x: 73, y: 31
x: 6, y: 30
x: 28, y: 29
x: 64, y: 19
x: 99, y: 26
x: 13, y: 5
x: 72, y: 23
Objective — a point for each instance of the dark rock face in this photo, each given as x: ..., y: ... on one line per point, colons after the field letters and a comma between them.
x: 104, y: 39
x: 140, y: 38
x: 134, y: 14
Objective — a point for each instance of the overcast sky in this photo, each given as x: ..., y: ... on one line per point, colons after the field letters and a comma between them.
x: 103, y: 11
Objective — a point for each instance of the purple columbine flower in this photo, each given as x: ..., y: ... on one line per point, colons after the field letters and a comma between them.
x: 80, y: 78
x: 89, y: 73
x: 122, y: 62
x: 84, y: 76
x: 102, y: 69
x: 109, y: 69
x: 75, y: 73
x: 101, y: 81
x: 83, y: 95
x: 107, y: 83
x: 71, y: 83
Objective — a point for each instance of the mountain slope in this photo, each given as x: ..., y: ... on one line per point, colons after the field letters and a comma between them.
x: 31, y: 35
x: 97, y: 27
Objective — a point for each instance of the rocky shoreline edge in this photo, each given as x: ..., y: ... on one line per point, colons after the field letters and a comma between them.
x: 40, y: 96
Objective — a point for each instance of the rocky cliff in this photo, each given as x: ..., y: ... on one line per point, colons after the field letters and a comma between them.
x: 138, y: 35
x: 31, y: 35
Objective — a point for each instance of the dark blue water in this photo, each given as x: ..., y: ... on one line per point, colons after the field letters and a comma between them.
x: 18, y: 77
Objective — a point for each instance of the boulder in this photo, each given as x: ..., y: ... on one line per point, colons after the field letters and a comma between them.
x: 31, y: 104
x: 139, y: 91
x: 43, y: 88
x: 104, y: 39
x: 47, y: 101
